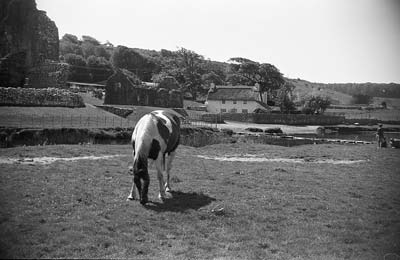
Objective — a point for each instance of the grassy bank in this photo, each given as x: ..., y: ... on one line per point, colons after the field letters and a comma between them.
x: 220, y: 209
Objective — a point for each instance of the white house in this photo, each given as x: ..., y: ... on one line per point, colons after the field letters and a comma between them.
x: 235, y: 99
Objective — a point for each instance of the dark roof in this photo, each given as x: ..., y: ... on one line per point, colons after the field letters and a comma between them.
x: 233, y: 93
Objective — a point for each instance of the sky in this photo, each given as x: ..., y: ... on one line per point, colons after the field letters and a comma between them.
x: 327, y: 41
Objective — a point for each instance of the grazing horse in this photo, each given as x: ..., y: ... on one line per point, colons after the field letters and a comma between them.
x: 155, y: 135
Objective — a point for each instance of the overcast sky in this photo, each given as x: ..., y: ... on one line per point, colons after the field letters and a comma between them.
x: 317, y: 40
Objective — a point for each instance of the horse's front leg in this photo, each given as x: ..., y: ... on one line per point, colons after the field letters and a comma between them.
x: 132, y: 195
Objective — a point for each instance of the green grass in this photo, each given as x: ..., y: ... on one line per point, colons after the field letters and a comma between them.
x: 380, y: 114
x: 220, y: 210
x: 56, y: 117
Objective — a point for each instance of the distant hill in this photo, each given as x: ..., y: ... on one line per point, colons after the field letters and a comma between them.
x: 342, y: 93
x: 305, y: 88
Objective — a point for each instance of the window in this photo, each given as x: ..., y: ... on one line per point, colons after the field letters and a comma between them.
x: 234, y: 101
x: 244, y: 101
x: 223, y: 101
x: 223, y: 110
x: 233, y: 110
x: 244, y: 111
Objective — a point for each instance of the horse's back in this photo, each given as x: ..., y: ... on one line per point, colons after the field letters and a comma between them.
x: 160, y: 125
x: 168, y: 125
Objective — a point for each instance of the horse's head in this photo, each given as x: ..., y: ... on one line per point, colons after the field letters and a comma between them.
x: 140, y: 166
x: 140, y: 173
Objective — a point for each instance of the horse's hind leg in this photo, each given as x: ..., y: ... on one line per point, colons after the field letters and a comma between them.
x: 160, y: 177
x: 131, y: 171
x: 170, y: 158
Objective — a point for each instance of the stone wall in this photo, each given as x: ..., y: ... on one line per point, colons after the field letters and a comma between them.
x: 52, y: 97
x: 287, y: 119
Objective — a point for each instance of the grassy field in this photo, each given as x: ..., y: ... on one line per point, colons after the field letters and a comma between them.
x: 305, y: 204
x: 56, y: 117
x: 380, y: 114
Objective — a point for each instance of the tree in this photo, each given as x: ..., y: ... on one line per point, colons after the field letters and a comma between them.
x: 316, y: 105
x: 185, y: 66
x: 124, y: 57
x: 189, y: 63
x: 100, y: 68
x: 101, y: 51
x: 78, y: 70
x: 248, y: 72
x: 70, y: 44
x: 91, y: 40
x: 70, y: 38
x: 285, y: 98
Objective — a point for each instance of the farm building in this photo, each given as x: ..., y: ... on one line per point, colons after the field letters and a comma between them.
x: 235, y: 99
x: 124, y: 88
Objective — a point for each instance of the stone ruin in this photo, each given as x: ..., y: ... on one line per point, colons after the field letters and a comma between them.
x: 29, y: 43
x: 124, y: 88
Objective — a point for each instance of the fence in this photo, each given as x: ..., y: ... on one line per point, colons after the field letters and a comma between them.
x: 84, y: 121
x: 64, y: 121
x: 286, y: 119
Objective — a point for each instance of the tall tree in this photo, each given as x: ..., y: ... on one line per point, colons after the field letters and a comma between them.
x: 190, y: 64
x: 316, y: 104
x: 69, y: 44
x: 100, y: 68
x: 79, y: 70
x: 248, y: 72
x: 124, y: 57
x: 285, y: 98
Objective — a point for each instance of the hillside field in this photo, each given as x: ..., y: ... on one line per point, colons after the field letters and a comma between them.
x: 230, y: 201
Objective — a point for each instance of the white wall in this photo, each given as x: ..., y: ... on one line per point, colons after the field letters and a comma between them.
x: 215, y: 106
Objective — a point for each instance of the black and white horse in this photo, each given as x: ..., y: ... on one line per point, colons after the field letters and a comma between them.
x: 156, y: 135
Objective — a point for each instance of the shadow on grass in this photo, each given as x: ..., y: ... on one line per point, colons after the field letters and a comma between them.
x: 181, y: 202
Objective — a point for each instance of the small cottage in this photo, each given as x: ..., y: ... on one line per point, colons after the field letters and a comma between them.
x: 235, y: 99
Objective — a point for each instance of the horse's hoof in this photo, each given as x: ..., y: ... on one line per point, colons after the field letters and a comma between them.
x: 130, y: 198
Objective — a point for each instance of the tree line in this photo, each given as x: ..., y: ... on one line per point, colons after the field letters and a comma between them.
x: 94, y: 62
